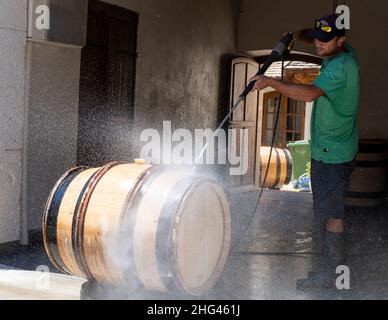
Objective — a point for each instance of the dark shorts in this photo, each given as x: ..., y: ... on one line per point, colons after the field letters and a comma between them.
x: 330, y: 183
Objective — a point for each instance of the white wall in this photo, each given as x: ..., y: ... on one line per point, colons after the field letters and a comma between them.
x: 53, y: 95
x: 13, y: 18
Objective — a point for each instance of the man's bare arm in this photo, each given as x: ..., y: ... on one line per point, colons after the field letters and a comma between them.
x: 300, y: 92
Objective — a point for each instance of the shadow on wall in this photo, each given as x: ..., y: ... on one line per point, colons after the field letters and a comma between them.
x: 224, y: 86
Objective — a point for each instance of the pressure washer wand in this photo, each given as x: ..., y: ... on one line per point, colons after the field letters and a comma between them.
x: 241, y: 99
x: 284, y: 46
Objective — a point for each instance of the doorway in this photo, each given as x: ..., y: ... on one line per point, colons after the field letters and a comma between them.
x: 107, y: 85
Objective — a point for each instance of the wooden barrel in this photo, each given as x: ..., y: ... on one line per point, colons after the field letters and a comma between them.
x: 164, y: 228
x: 280, y: 167
x: 367, y: 184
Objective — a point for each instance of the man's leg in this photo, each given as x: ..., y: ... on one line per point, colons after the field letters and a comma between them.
x: 332, y: 256
x: 330, y: 182
x: 335, y: 243
x: 335, y: 226
x: 334, y: 248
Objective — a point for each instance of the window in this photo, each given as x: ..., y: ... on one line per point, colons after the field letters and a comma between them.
x: 295, y: 120
x: 271, y: 102
x: 291, y: 121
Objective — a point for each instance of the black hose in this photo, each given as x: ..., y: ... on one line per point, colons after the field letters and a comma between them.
x: 267, y: 171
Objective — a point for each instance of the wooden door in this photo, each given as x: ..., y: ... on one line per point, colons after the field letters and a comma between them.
x: 107, y: 85
x: 246, y: 117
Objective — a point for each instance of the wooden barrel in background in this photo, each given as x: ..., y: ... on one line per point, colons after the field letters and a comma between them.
x: 367, y: 184
x: 163, y: 228
x: 280, y: 167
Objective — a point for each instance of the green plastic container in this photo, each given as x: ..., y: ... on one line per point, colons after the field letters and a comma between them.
x: 301, y: 156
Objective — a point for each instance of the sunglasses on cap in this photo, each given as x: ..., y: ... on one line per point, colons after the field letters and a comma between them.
x: 323, y: 26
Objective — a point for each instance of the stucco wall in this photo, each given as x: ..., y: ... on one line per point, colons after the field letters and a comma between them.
x: 262, y: 23
x: 182, y: 71
x: 13, y: 17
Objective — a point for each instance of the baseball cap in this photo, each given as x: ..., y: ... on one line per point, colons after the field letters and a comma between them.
x: 325, y: 29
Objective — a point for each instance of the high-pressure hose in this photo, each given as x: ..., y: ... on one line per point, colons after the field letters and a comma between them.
x: 252, y: 216
x: 283, y: 48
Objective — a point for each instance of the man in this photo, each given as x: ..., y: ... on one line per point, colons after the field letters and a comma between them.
x: 334, y: 139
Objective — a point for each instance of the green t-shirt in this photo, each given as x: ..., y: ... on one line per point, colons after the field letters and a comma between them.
x: 334, y: 128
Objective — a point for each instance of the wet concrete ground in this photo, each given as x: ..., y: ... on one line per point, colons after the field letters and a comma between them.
x: 278, y: 247
x: 281, y: 243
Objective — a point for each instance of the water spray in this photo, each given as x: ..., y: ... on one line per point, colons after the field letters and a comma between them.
x: 282, y: 49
